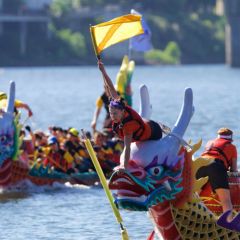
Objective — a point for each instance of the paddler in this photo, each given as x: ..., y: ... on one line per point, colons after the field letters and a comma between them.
x: 224, y: 158
x: 17, y: 104
x: 102, y: 100
x: 126, y: 122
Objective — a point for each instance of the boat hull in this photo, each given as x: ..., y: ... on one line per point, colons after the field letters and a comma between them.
x: 13, y: 172
x: 211, y: 199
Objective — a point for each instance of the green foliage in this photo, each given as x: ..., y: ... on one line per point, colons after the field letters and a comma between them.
x: 202, y: 39
x: 173, y: 50
x: 162, y: 31
x: 170, y: 55
x: 160, y: 22
x: 219, y: 25
x: 74, y: 41
x: 189, y: 27
x: 63, y: 7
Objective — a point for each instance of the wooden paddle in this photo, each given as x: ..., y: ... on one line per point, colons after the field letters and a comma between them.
x: 105, y: 185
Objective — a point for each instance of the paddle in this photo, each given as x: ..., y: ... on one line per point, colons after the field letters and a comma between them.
x: 25, y: 120
x: 105, y: 185
x: 64, y: 169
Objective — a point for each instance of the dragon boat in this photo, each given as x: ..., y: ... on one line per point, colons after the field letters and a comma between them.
x: 160, y: 179
x: 211, y: 199
x: 13, y: 170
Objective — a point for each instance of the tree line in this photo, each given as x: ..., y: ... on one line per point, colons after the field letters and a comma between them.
x: 183, y: 32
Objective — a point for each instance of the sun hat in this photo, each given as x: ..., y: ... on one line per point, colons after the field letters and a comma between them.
x: 3, y: 95
x: 73, y: 131
x: 225, y: 133
x: 52, y: 140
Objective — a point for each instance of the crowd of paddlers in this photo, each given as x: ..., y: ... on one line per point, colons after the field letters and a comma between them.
x: 64, y: 150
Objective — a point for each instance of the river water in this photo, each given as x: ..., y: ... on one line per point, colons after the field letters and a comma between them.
x: 65, y: 96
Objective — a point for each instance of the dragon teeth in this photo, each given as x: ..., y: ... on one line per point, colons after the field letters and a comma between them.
x: 167, y: 185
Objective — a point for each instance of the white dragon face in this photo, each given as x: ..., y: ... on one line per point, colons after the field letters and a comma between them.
x: 152, y: 175
x: 7, y: 128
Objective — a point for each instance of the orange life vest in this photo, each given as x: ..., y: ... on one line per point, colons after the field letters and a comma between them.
x: 216, y: 150
x: 131, y: 116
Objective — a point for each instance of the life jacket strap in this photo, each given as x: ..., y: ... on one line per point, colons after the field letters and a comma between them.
x: 219, y: 150
x: 182, y: 141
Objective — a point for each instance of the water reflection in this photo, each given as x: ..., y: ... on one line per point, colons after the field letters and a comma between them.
x: 7, y: 196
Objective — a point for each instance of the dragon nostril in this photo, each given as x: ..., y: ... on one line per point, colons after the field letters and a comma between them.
x: 137, y: 174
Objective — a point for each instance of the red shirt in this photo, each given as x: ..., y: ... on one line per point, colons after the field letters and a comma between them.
x: 227, y: 152
x: 133, y: 124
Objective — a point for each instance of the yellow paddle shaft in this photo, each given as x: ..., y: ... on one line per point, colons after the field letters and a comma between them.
x: 102, y: 179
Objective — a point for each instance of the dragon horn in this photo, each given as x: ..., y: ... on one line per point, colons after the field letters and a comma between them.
x: 185, y: 114
x: 145, y: 109
x: 11, y: 98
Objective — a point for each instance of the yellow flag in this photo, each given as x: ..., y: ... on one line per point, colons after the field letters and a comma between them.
x: 114, y: 31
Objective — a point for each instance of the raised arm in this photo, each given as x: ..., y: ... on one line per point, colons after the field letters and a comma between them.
x: 108, y: 82
x: 20, y: 104
x: 124, y: 158
x: 95, y: 118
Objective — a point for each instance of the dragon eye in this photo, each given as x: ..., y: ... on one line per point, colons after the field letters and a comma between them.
x: 156, y: 171
x: 3, y: 139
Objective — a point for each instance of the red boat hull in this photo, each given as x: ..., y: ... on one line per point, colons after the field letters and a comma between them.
x: 14, y: 172
x: 212, y: 201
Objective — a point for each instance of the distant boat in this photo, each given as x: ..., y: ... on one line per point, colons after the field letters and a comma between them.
x: 13, y: 170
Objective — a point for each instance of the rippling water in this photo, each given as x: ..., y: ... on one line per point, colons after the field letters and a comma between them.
x: 66, y: 97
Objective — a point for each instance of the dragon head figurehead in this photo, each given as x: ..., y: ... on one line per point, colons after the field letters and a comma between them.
x: 7, y: 127
x: 155, y: 168
x: 161, y: 179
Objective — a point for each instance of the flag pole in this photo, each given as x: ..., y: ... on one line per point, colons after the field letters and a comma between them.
x: 105, y: 185
x: 94, y: 43
x: 129, y: 49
